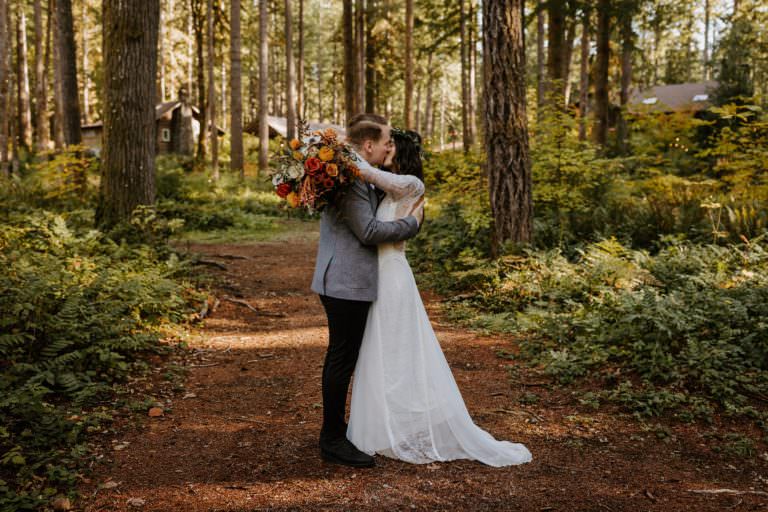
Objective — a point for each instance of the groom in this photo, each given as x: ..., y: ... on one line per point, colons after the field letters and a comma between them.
x: 346, y: 278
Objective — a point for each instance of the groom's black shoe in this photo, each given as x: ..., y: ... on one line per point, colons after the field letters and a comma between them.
x: 341, y: 451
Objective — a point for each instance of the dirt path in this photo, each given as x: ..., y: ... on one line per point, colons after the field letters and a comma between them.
x: 242, y: 436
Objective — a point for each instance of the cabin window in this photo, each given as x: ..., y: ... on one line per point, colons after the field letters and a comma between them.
x: 701, y: 97
x: 650, y: 101
x: 166, y: 135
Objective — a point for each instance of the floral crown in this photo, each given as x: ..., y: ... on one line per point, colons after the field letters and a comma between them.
x: 412, y: 136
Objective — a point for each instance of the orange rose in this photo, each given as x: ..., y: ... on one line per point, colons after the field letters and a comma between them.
x: 298, y: 156
x: 332, y: 170
x: 353, y: 170
x: 312, y: 165
x: 295, y: 144
x: 293, y: 199
x: 325, y: 154
x: 330, y: 133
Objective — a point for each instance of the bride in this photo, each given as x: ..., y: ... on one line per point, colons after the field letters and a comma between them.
x: 405, y: 401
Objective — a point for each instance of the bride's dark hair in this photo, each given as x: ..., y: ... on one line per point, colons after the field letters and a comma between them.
x: 407, y: 153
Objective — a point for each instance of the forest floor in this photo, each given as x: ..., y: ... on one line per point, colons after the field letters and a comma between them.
x: 242, y: 434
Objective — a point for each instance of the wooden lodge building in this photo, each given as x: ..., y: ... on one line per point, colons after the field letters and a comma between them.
x: 177, y: 123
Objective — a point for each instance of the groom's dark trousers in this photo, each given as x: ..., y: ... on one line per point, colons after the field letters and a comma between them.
x: 346, y: 326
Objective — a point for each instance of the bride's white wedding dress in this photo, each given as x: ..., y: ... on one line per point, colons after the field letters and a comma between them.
x: 405, y: 401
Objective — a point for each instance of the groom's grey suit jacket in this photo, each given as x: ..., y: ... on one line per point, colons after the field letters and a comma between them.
x: 347, y: 264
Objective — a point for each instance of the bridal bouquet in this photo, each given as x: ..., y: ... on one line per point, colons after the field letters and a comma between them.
x: 313, y: 170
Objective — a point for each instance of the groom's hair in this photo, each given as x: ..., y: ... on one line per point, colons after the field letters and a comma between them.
x: 369, y: 117
x: 362, y: 131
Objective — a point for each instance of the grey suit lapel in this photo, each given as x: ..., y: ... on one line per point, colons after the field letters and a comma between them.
x: 373, y: 197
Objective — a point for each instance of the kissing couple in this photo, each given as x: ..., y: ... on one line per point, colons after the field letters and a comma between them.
x: 405, y: 402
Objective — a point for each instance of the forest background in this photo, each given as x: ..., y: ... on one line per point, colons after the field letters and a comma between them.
x: 622, y: 246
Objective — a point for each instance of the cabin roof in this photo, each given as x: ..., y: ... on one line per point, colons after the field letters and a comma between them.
x: 691, y: 96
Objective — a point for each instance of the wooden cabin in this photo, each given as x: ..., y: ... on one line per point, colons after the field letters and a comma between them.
x: 177, y: 123
x: 689, y: 97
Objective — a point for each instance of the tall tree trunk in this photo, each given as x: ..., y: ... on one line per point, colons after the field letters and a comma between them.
x: 472, y: 58
x: 263, y: 83
x: 540, y: 59
x: 707, y: 9
x: 24, y: 108
x: 463, y: 47
x: 161, y: 90
x: 556, y: 43
x: 211, y: 125
x: 58, y: 92
x: 371, y: 52
x: 428, y: 108
x: 506, y: 130
x: 570, y: 36
x: 409, y: 64
x: 84, y: 71
x: 600, y: 130
x: 417, y: 115
x: 350, y: 61
x: 4, y: 89
x: 627, y: 47
x: 198, y: 21
x: 130, y: 72
x: 290, y: 77
x: 301, y: 107
x: 41, y: 102
x: 584, y: 74
x: 360, y: 54
x: 68, y: 71
x: 190, y: 54
x: 236, y: 90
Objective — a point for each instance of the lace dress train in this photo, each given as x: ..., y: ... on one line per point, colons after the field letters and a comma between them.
x: 405, y: 401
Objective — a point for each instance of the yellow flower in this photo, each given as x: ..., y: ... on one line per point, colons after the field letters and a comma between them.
x: 332, y: 170
x: 298, y: 156
x: 293, y: 199
x: 295, y: 144
x: 325, y: 154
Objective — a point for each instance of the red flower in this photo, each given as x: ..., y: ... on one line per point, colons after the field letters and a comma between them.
x: 312, y: 165
x: 284, y: 189
x: 328, y: 182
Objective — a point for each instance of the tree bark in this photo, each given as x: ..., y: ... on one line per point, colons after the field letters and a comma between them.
x: 4, y: 103
x: 556, y: 43
x: 506, y: 130
x: 472, y: 58
x: 350, y: 61
x: 428, y: 108
x: 84, y: 71
x: 301, y: 107
x: 570, y: 36
x: 211, y: 125
x: 627, y: 47
x: 236, y: 91
x: 463, y: 46
x: 409, y: 63
x: 58, y: 94
x: 41, y: 102
x: 198, y: 22
x: 130, y: 71
x: 371, y: 52
x: 584, y: 75
x: 263, y: 83
x: 707, y: 9
x: 290, y: 77
x: 540, y: 60
x: 23, y: 108
x: 360, y: 54
x: 68, y: 72
x: 600, y: 130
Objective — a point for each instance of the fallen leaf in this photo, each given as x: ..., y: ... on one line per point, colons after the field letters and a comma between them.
x: 189, y: 395
x: 61, y: 503
x: 109, y: 485
x: 136, y: 502
x: 155, y: 412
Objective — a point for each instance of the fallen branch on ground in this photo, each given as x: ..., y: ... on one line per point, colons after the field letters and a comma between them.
x: 258, y: 312
x: 727, y: 491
